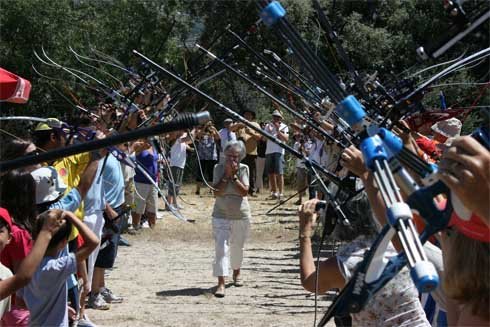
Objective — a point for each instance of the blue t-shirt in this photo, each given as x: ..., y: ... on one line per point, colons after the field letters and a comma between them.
x: 95, y: 199
x: 46, y: 294
x: 69, y: 202
x: 149, y: 161
x: 113, y: 182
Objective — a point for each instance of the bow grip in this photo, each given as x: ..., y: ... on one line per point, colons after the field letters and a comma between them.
x: 272, y: 13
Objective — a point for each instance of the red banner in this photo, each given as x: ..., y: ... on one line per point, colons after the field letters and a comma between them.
x: 13, y: 89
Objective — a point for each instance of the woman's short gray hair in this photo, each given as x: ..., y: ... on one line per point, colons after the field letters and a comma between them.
x: 236, y: 145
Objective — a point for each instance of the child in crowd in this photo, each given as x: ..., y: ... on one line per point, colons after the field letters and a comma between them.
x: 10, y: 283
x: 46, y: 294
x: 146, y: 198
x: 178, y: 157
x: 23, y: 212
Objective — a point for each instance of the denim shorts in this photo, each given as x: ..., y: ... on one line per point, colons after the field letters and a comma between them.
x: 274, y: 163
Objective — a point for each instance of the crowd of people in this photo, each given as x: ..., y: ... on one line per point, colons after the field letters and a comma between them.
x: 58, y: 239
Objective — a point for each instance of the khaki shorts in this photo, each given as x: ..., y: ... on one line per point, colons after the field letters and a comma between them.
x: 145, y: 198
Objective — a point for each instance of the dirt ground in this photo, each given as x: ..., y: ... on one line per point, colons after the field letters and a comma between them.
x: 165, y: 276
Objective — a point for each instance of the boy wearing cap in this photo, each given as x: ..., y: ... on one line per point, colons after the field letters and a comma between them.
x: 274, y: 154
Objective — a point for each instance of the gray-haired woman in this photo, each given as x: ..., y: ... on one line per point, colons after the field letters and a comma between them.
x: 231, y: 214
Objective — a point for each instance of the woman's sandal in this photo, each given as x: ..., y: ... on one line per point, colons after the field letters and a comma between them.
x: 220, y: 292
x: 237, y: 281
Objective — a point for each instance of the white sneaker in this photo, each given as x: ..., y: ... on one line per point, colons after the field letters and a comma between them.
x: 85, y: 322
x: 160, y: 215
x: 110, y: 297
x: 145, y: 225
x: 180, y: 207
x: 97, y: 302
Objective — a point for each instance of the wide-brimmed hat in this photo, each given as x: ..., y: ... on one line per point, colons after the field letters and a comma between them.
x: 449, y: 128
x: 250, y: 110
x: 277, y: 113
x: 49, y: 185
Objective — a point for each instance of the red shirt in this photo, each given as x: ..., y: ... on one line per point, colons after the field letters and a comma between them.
x: 19, y: 247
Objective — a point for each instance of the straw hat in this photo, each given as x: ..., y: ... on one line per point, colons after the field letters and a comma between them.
x: 277, y: 113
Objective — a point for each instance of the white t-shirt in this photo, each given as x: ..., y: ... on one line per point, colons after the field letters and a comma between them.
x: 178, y: 153
x: 272, y: 147
x: 226, y: 136
x: 5, y: 273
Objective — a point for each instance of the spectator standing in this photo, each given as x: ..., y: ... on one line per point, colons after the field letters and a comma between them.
x: 226, y: 135
x: 275, y: 154
x: 145, y: 192
x: 206, y: 138
x: 260, y: 162
x: 249, y: 138
x: 301, y: 171
x: 113, y: 185
x: 178, y: 157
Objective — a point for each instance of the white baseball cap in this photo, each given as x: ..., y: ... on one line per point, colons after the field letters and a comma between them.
x: 49, y: 186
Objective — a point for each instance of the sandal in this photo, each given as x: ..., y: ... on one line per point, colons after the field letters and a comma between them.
x: 220, y: 292
x: 237, y: 281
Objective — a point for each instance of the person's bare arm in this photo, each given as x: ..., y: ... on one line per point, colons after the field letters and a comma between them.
x: 215, y: 134
x: 220, y: 186
x: 352, y: 159
x: 242, y: 188
x: 87, y: 178
x: 110, y: 212
x: 256, y: 135
x: 229, y: 176
x: 235, y: 127
x: 326, y: 125
x: 29, y: 265
x: 90, y: 239
x: 330, y: 276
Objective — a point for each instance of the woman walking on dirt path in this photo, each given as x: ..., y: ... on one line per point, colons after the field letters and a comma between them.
x: 231, y: 214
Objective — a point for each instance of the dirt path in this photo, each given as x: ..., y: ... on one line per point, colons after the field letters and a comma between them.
x: 166, y: 277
